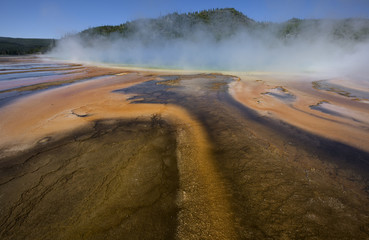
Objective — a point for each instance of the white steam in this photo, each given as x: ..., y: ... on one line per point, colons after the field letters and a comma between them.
x: 315, y: 48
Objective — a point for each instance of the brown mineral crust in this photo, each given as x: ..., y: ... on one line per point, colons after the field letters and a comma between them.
x: 250, y: 92
x: 178, y: 159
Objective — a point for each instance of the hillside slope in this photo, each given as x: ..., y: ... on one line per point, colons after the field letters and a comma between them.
x: 223, y: 23
x: 20, y: 46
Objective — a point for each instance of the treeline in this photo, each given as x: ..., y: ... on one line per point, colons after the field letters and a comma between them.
x: 356, y: 29
x: 21, y: 46
x: 222, y: 23
x: 214, y: 23
x: 219, y: 22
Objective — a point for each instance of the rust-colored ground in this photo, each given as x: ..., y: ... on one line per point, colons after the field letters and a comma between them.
x: 177, y: 155
x: 350, y: 128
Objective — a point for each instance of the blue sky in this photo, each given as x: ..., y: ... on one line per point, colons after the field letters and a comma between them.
x: 55, y: 18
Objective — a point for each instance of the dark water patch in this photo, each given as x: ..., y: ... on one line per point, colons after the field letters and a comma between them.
x: 321, y: 108
x: 10, y: 95
x: 80, y: 115
x: 330, y: 120
x: 281, y: 94
x: 160, y: 91
x: 46, y: 69
x: 115, y: 180
x: 169, y: 77
x: 150, y: 92
x: 17, y: 76
x: 31, y: 66
x: 283, y: 97
x: 327, y: 111
x: 44, y: 140
x: 327, y: 85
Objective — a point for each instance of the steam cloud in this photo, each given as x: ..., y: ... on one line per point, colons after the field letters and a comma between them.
x: 315, y: 45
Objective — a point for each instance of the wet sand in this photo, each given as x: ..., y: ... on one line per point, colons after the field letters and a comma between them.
x: 163, y: 155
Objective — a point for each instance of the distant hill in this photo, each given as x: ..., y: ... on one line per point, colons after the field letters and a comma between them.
x: 20, y: 46
x: 219, y: 22
x: 223, y: 23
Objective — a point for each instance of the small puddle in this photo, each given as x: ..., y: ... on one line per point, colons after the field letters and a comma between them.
x: 326, y: 85
x: 328, y: 108
x: 321, y: 108
x: 282, y: 94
